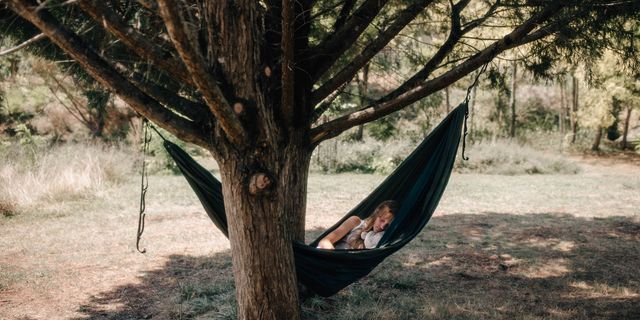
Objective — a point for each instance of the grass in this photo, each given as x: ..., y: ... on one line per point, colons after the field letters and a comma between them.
x: 554, y: 246
x: 34, y: 176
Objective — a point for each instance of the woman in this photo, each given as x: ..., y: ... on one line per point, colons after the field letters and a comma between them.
x: 355, y: 233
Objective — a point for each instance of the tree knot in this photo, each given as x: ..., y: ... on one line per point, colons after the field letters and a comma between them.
x: 259, y: 183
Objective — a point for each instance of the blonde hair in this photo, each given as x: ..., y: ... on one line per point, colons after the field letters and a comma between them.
x: 355, y: 241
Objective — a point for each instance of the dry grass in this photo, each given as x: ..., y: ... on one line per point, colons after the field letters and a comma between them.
x: 32, y: 176
x: 499, y: 247
x: 511, y: 158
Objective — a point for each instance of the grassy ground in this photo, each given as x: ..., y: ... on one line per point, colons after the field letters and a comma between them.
x: 498, y: 247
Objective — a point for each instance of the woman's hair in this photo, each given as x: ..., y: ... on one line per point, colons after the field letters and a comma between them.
x: 355, y: 241
x: 392, y: 207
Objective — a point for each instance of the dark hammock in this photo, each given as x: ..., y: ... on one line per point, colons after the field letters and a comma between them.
x: 418, y: 184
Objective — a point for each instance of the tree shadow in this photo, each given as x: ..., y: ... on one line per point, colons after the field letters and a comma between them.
x: 465, y: 266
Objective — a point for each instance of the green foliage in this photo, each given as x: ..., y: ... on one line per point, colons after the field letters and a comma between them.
x: 366, y: 156
x: 23, y: 133
x: 535, y: 116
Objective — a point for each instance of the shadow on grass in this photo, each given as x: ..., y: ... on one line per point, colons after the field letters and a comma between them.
x: 481, y: 266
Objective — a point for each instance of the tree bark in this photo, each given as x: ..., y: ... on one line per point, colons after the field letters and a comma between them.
x: 363, y: 88
x: 563, y: 107
x: 512, y: 99
x: 596, y: 141
x: 624, y: 144
x: 264, y: 217
x: 574, y: 108
x: 264, y: 180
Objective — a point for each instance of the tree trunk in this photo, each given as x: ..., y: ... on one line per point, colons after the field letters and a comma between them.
x: 512, y: 100
x: 625, y: 132
x: 264, y: 182
x: 265, y: 212
x: 363, y: 88
x: 563, y: 107
x: 596, y: 142
x: 574, y: 109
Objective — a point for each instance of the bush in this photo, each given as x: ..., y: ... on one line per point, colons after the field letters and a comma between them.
x: 509, y: 158
x: 366, y: 156
x: 495, y: 157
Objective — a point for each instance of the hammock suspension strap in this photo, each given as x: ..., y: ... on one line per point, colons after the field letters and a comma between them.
x: 466, y: 114
x: 144, y: 182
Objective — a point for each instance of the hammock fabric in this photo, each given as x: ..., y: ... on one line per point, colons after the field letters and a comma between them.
x: 417, y: 184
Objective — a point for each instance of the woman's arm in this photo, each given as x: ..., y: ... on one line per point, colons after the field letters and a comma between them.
x: 337, y: 234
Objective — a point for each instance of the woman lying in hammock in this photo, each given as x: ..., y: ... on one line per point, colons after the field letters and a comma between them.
x: 355, y: 233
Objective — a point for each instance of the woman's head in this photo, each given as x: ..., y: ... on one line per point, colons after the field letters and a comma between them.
x: 382, y: 216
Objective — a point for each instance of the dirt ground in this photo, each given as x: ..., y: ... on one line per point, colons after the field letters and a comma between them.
x: 539, y: 246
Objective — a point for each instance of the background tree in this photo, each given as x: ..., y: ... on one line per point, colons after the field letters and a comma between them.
x: 613, y: 91
x: 245, y: 79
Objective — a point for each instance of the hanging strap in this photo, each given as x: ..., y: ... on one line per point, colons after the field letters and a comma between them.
x: 466, y: 113
x: 144, y: 183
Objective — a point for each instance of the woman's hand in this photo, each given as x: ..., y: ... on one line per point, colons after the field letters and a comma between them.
x: 325, y: 244
x: 337, y: 234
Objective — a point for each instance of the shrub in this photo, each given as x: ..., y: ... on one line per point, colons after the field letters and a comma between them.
x: 367, y: 156
x: 493, y: 157
x: 510, y: 158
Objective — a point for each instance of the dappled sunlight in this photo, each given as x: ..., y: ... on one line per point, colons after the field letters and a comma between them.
x: 548, y: 269
x: 481, y: 265
x: 553, y: 244
x: 601, y: 290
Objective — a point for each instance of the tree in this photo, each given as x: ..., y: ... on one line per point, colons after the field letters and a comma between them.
x: 246, y: 80
x: 512, y: 99
x: 612, y: 90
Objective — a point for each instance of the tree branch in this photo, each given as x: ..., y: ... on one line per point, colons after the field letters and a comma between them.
x: 188, y: 108
x: 22, y: 45
x: 133, y: 39
x: 347, y: 73
x: 325, y: 54
x: 386, y: 106
x: 347, y: 6
x: 454, y: 36
x: 206, y: 84
x: 104, y: 73
x: 328, y: 102
x: 149, y: 5
x: 477, y: 22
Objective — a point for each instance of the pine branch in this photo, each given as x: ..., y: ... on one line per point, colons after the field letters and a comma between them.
x: 452, y: 39
x: 184, y: 43
x: 104, y: 73
x: 133, y: 39
x: 325, y: 54
x: 385, y: 106
x: 345, y: 10
x: 347, y: 73
x: 23, y: 44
